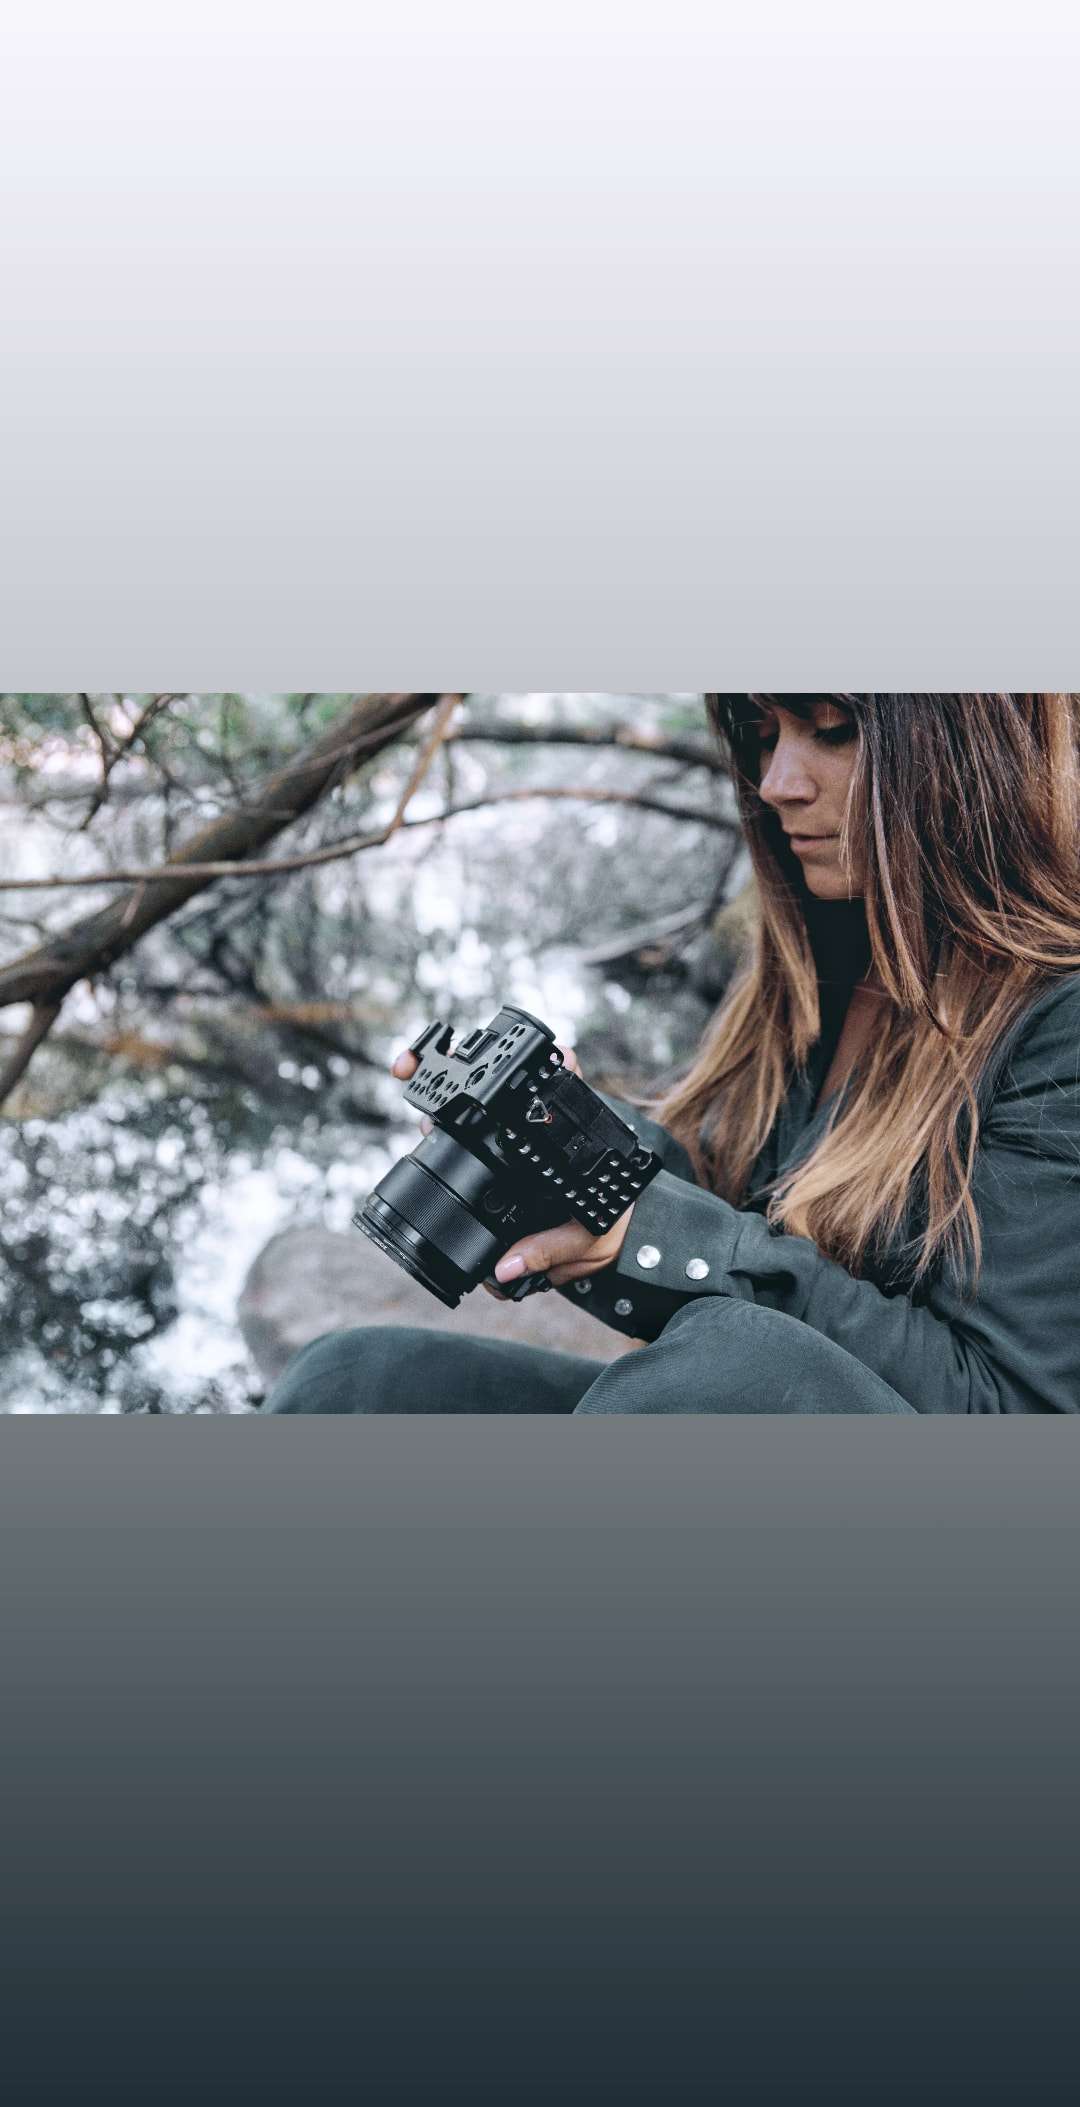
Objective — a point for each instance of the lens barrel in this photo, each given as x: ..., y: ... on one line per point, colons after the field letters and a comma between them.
x: 426, y: 1214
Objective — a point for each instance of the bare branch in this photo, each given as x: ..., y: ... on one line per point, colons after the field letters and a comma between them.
x: 692, y: 753
x: 70, y: 790
x: 353, y: 844
x: 438, y: 738
x: 372, y: 723
x: 118, y: 750
x: 587, y: 796
x: 102, y: 737
x: 44, y: 976
x: 44, y: 1017
x: 683, y: 753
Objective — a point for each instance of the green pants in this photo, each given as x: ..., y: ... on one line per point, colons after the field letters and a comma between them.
x: 715, y: 1355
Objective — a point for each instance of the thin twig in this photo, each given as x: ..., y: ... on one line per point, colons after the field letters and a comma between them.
x: 690, y: 752
x: 431, y: 746
x: 114, y: 751
x: 103, y: 738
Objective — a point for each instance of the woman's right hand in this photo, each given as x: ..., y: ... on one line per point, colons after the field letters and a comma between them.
x: 403, y: 1066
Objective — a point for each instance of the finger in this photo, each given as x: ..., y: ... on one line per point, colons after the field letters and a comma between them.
x: 404, y: 1064
x: 570, y: 1059
x: 565, y: 1246
x: 561, y: 1276
x: 425, y: 1126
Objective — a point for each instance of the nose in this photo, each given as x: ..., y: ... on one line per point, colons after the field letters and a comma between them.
x: 787, y: 779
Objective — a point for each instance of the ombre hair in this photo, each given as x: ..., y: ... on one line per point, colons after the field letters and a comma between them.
x: 964, y: 817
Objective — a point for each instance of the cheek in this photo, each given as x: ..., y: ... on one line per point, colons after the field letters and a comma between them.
x: 841, y: 775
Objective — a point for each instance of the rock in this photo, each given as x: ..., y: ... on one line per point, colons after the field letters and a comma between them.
x: 307, y: 1281
x: 714, y: 958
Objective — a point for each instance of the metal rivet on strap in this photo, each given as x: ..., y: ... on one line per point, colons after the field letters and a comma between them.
x: 648, y: 1257
x: 697, y: 1269
x: 583, y: 1287
x: 624, y: 1307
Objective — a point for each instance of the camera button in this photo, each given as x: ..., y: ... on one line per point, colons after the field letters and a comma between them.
x: 624, y: 1307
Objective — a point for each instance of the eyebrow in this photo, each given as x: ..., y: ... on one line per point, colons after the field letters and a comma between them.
x: 799, y: 705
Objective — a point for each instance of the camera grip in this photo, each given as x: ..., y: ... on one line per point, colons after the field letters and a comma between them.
x: 533, y: 1284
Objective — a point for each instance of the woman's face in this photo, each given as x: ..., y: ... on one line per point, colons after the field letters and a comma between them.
x: 807, y: 763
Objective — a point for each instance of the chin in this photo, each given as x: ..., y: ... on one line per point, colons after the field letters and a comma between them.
x: 831, y: 885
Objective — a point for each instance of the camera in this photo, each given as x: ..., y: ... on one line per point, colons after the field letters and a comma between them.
x: 518, y: 1143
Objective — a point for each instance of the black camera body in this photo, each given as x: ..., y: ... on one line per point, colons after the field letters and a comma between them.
x: 519, y: 1143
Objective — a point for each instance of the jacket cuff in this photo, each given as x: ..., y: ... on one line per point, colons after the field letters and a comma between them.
x: 680, y: 1244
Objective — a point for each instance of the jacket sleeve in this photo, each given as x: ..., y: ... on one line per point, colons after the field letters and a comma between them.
x: 1013, y: 1346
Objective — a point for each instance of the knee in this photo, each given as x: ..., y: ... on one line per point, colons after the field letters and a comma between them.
x: 716, y: 1354
x: 346, y: 1371
x: 699, y: 1363
x: 721, y: 1354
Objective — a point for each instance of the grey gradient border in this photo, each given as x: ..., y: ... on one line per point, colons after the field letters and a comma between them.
x: 718, y: 347
x: 464, y: 1474
x: 310, y: 1795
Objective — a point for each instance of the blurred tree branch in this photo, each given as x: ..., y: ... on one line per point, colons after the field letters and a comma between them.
x: 353, y: 844
x: 692, y: 753
x: 44, y: 976
x: 43, y: 1017
x: 226, y: 846
x: 683, y: 753
x: 114, y: 750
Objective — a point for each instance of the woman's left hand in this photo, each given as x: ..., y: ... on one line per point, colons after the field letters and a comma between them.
x: 567, y: 1252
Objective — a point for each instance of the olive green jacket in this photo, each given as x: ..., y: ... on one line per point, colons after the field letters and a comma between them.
x: 1011, y: 1346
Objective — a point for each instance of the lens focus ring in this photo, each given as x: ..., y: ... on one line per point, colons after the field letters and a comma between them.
x: 438, y: 1215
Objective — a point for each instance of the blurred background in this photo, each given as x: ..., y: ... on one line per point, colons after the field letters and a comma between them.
x: 194, y: 1087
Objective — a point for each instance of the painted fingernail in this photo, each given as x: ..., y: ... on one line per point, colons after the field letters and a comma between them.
x: 509, y: 1268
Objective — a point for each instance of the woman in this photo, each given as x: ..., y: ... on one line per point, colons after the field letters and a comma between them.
x: 870, y: 1199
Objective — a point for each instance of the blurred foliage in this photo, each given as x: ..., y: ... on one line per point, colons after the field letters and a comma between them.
x: 92, y: 1207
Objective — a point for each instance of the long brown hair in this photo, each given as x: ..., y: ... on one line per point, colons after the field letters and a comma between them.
x: 964, y: 811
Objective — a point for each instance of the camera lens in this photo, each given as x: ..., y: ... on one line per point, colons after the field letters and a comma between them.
x: 424, y: 1215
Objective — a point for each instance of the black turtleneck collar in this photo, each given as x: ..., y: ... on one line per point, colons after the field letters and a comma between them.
x: 840, y: 942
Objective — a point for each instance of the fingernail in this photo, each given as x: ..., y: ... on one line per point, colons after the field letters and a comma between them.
x: 509, y: 1268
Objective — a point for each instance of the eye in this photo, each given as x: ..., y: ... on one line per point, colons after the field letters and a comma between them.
x: 824, y: 734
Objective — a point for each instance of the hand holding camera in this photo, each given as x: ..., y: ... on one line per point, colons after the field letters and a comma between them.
x: 524, y: 1175
x: 564, y: 1253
